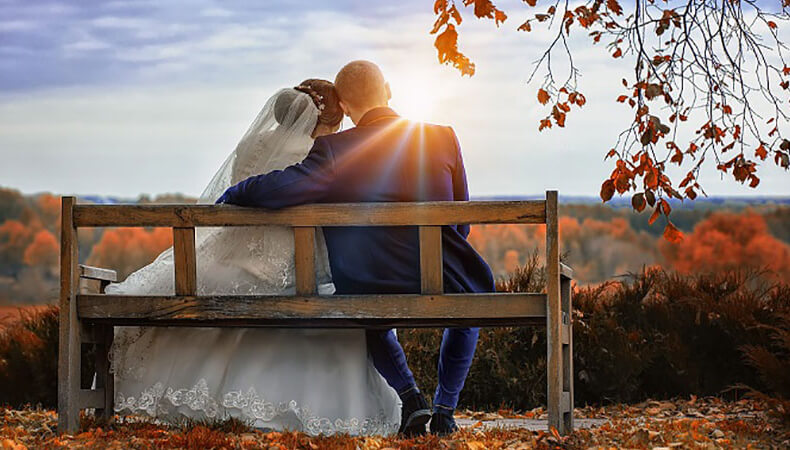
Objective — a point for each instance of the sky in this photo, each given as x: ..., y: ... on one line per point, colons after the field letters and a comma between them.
x: 122, y: 98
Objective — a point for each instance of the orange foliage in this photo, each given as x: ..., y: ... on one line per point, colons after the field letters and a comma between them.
x: 14, y: 233
x: 128, y: 249
x: 43, y: 251
x: 729, y: 241
x: 49, y: 205
x: 596, y: 249
x: 512, y: 261
x: 14, y: 238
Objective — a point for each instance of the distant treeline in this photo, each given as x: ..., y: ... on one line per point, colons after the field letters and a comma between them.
x: 30, y: 245
x: 599, y: 241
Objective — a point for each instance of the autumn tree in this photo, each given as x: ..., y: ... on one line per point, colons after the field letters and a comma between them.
x: 128, y: 249
x: 48, y: 208
x: 43, y: 251
x: 14, y: 239
x: 730, y: 241
x: 708, y: 83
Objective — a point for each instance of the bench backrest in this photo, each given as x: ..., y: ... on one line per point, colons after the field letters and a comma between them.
x: 429, y: 217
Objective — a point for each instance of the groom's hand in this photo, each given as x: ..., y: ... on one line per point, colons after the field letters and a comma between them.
x: 224, y: 198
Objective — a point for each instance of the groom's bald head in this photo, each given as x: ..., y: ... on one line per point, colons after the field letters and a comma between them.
x: 361, y: 87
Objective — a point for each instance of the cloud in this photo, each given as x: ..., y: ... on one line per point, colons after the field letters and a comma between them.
x: 216, y: 12
x: 17, y: 25
x: 126, y: 97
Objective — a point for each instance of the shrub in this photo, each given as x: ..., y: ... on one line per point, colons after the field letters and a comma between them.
x: 773, y: 365
x: 29, y: 359
x: 653, y: 334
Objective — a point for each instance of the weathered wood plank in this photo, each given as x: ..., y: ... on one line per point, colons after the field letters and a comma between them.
x: 316, y: 311
x: 566, y: 271
x: 304, y: 259
x: 565, y: 403
x: 91, y: 398
x: 104, y: 377
x: 350, y: 214
x: 431, y: 266
x: 97, y: 273
x: 184, y: 261
x: 69, y: 328
x: 553, y: 315
x: 567, y: 349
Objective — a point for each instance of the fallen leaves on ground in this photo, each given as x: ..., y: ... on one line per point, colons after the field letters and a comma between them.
x: 690, y: 423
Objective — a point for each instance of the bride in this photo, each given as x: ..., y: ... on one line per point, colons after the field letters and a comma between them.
x: 316, y: 381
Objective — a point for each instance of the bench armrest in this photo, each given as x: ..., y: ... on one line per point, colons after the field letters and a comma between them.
x: 96, y: 273
x: 566, y: 271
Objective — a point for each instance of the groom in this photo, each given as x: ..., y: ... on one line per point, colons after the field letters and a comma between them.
x: 386, y: 158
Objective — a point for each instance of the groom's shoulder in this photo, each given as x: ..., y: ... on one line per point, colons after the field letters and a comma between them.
x: 442, y: 133
x: 433, y: 133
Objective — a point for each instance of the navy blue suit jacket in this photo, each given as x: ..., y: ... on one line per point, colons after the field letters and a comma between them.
x: 384, y: 159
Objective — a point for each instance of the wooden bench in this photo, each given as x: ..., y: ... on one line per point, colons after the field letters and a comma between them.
x: 88, y: 318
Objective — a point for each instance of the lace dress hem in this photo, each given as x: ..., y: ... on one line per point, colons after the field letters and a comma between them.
x: 160, y: 402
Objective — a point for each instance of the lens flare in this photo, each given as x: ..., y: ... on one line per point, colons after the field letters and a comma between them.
x: 414, y: 98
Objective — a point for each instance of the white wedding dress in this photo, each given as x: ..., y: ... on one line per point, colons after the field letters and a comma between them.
x: 315, y: 381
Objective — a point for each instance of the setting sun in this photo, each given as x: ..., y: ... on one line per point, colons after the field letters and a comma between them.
x: 414, y: 97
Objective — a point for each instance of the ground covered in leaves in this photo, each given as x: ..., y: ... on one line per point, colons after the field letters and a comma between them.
x: 687, y: 423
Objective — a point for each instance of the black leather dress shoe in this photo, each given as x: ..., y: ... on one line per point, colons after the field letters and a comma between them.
x: 443, y: 423
x: 415, y: 414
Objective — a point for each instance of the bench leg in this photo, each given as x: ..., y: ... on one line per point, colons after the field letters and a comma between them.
x: 104, y: 379
x: 69, y: 354
x: 554, y: 369
x: 69, y: 334
x: 567, y: 355
x: 554, y: 363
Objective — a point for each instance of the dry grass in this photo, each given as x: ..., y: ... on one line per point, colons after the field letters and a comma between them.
x: 688, y: 423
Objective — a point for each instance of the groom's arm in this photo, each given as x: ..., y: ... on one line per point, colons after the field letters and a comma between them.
x: 460, y: 187
x: 306, y: 182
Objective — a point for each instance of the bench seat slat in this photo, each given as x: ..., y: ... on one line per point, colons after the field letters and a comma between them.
x: 350, y: 214
x: 91, y: 398
x: 97, y: 273
x: 316, y: 311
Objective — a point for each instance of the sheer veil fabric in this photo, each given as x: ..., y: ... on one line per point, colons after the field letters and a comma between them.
x: 316, y: 381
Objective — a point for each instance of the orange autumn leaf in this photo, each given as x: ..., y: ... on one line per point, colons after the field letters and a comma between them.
x: 543, y: 96
x: 607, y: 190
x: 638, y: 202
x: 665, y: 209
x: 614, y: 7
x: 654, y: 216
x: 672, y: 234
x: 446, y: 44
x: 761, y: 152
